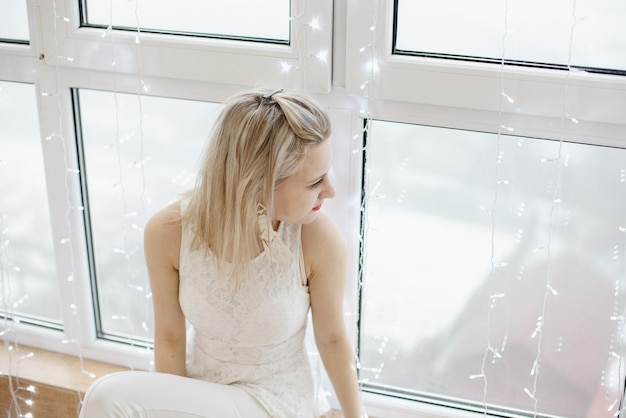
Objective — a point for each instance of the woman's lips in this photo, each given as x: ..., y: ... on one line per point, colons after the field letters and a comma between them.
x: 316, y: 208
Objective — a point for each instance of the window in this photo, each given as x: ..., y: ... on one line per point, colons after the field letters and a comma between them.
x: 139, y: 154
x: 586, y: 36
x: 480, y: 181
x: 155, y: 48
x: 484, y: 234
x: 214, y: 18
x: 495, y: 241
x: 30, y: 291
x: 517, y: 92
x: 14, y: 22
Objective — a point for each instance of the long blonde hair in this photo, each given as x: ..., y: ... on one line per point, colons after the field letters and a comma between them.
x: 258, y: 141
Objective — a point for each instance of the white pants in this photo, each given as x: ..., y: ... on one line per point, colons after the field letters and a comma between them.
x: 158, y: 395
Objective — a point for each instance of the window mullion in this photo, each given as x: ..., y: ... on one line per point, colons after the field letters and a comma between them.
x: 66, y: 211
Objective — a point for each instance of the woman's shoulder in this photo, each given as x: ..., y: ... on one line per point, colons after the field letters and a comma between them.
x: 322, y: 227
x: 166, y: 220
x: 322, y: 240
x: 162, y: 233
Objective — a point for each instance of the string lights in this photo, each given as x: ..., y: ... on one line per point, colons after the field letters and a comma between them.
x: 370, y: 53
x: 542, y: 341
x: 539, y: 232
x: 66, y: 174
x: 312, y: 43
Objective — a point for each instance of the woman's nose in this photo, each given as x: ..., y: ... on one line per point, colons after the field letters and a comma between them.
x: 329, y: 190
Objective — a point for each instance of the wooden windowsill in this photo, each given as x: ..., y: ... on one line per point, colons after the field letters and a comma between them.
x: 54, y: 369
x: 39, y: 383
x: 49, y: 384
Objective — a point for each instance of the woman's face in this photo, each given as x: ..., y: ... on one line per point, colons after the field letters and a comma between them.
x: 299, y: 197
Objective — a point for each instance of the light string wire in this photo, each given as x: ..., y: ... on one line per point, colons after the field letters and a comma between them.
x: 126, y: 251
x: 619, y: 306
x: 8, y: 329
x: 120, y: 171
x: 620, y: 316
x: 492, y: 212
x: 370, y: 49
x: 555, y: 200
x: 71, y: 174
x: 8, y: 317
x: 558, y: 171
x: 621, y: 368
x: 302, y: 39
x: 554, y: 207
x: 302, y: 33
x: 621, y: 328
x: 142, y: 88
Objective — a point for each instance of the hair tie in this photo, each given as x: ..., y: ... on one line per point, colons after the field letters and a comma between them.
x: 269, y: 95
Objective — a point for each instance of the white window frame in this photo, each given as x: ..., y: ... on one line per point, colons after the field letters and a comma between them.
x: 299, y: 65
x: 222, y: 68
x: 468, y: 95
x: 20, y: 49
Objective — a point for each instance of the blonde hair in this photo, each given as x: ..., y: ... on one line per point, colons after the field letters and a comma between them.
x: 259, y: 140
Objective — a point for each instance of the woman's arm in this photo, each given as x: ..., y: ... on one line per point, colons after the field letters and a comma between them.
x: 162, y: 237
x: 325, y: 259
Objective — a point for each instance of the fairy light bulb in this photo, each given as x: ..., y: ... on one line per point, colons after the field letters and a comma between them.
x: 314, y: 24
x: 322, y: 56
x: 507, y: 97
x: 371, y: 66
x: 286, y: 67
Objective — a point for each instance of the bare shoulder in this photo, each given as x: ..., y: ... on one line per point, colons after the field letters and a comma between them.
x: 322, y: 243
x: 165, y: 222
x: 321, y: 232
x: 162, y: 234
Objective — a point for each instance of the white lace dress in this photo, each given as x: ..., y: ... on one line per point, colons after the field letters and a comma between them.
x: 253, y: 337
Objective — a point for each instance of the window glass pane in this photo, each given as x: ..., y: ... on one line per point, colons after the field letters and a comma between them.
x: 140, y: 154
x: 494, y: 270
x: 265, y: 20
x: 27, y: 263
x: 13, y: 21
x: 583, y: 33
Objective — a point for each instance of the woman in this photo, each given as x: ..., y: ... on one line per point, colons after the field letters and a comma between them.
x: 241, y: 260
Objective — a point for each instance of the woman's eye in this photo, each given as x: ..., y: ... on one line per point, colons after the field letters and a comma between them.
x: 317, y: 183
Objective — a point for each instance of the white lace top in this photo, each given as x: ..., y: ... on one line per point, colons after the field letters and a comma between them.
x: 252, y: 337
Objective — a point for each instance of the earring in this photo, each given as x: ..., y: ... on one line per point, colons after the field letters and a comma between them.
x: 272, y: 244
